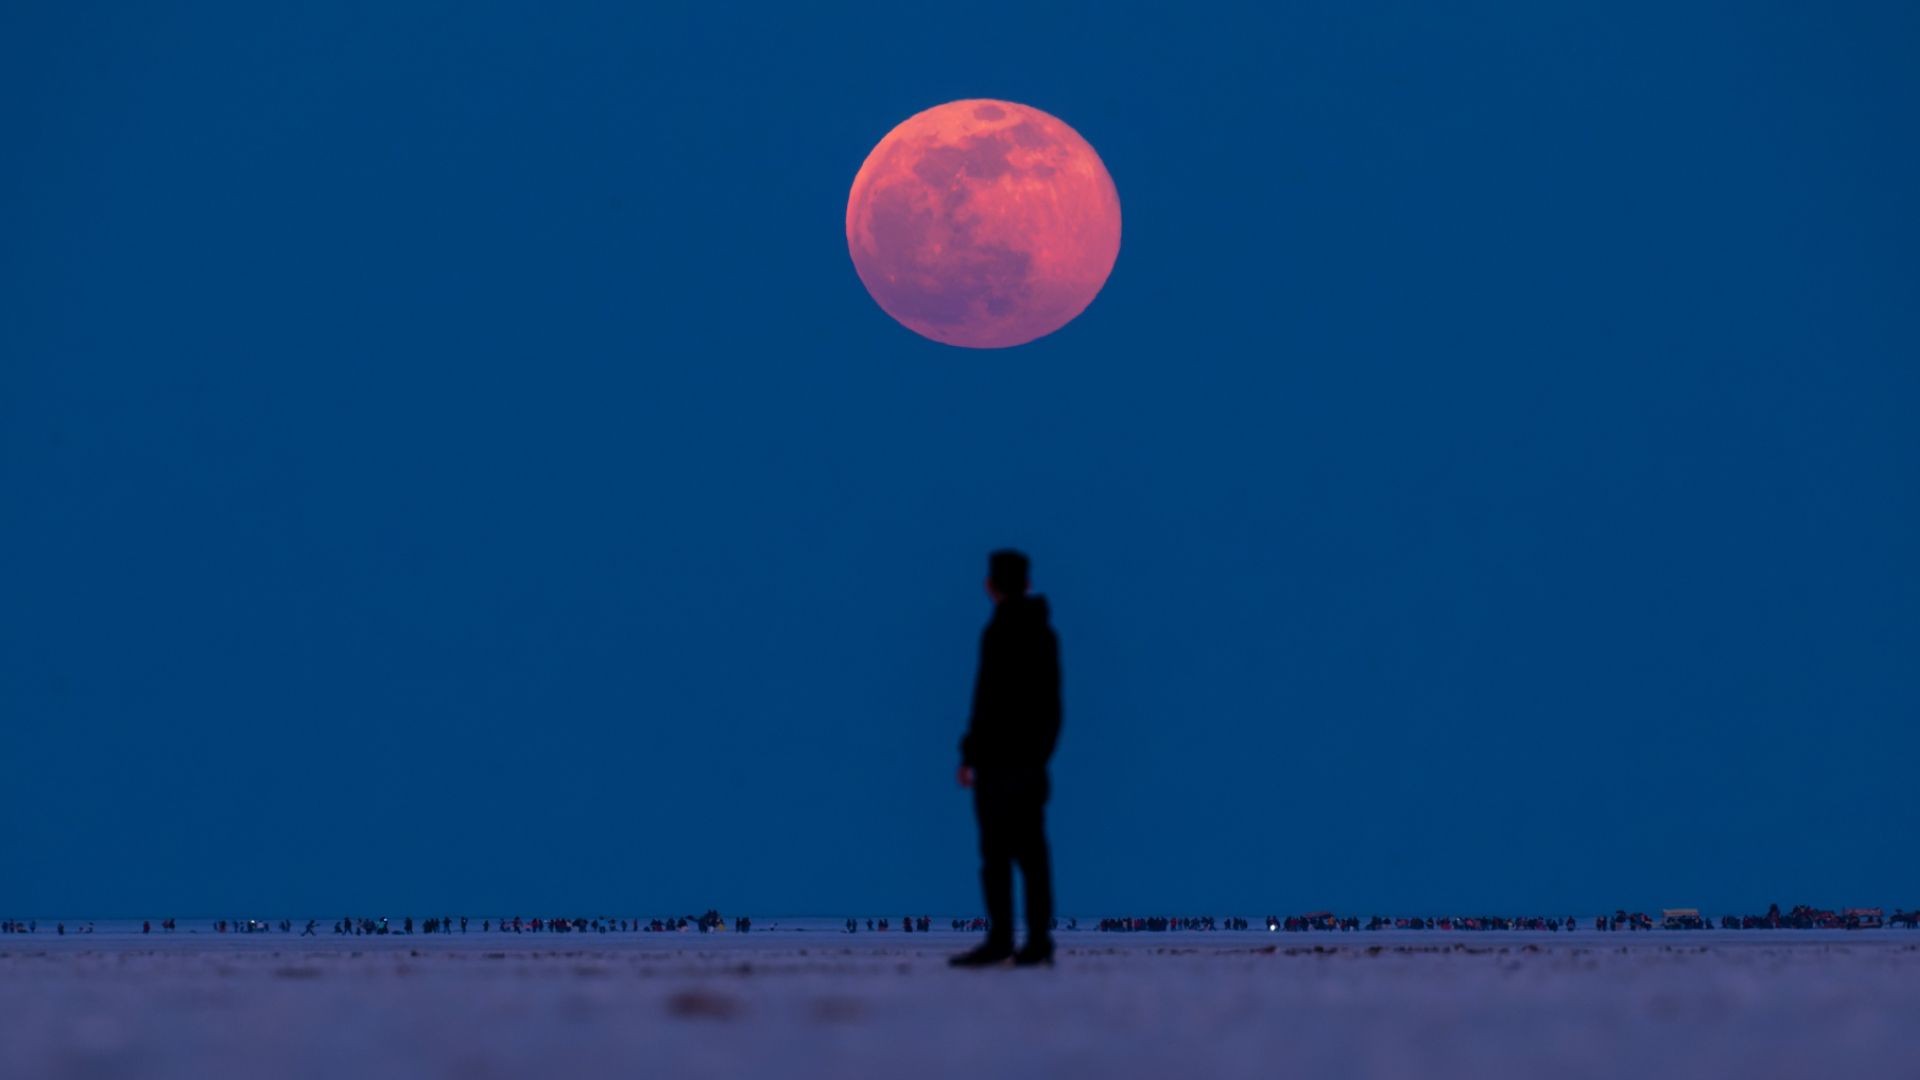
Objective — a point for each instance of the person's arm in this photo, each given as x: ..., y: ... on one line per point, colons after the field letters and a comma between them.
x: 1050, y: 687
x: 969, y: 742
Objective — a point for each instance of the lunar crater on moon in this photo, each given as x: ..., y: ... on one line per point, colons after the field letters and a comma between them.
x: 983, y: 224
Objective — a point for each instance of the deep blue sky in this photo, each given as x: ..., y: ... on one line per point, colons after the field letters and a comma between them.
x: 447, y: 459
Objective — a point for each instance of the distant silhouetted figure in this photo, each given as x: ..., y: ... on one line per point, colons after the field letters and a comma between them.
x: 1003, y: 758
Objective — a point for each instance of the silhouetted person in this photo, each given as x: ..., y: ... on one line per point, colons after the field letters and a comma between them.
x: 1003, y: 758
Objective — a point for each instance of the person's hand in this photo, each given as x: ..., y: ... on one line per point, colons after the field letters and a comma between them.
x: 966, y: 776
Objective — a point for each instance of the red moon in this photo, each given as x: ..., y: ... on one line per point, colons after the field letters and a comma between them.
x: 983, y: 223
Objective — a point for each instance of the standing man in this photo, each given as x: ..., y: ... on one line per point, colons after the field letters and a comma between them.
x: 1003, y: 758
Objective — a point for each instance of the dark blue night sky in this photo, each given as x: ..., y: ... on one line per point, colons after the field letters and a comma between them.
x: 447, y: 460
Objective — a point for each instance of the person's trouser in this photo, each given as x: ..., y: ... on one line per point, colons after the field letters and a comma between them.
x: 1011, y: 810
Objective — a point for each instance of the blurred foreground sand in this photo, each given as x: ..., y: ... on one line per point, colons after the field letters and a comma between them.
x: 828, y: 1005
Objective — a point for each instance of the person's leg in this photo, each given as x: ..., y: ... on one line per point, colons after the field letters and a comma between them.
x: 1037, y: 871
x: 996, y: 866
x: 996, y: 883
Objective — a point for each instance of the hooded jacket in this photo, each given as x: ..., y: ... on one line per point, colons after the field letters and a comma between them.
x: 1016, y: 695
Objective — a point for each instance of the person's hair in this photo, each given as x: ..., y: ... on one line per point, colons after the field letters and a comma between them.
x: 1007, y: 571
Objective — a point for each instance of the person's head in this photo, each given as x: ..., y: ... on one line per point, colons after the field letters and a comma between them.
x: 1006, y: 574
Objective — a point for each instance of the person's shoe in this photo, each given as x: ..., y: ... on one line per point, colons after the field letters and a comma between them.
x: 986, y: 955
x: 1036, y: 954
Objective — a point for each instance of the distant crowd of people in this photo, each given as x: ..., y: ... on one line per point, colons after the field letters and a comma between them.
x: 1807, y: 917
x: 1163, y: 923
x: 922, y: 923
x: 1466, y: 922
x: 1799, y: 917
x: 32, y: 926
x: 444, y: 924
x: 710, y: 922
x: 1802, y: 917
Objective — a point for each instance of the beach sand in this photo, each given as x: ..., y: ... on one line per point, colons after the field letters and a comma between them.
x: 823, y: 1004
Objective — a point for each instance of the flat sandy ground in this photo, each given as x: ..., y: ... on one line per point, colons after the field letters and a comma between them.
x: 823, y: 1004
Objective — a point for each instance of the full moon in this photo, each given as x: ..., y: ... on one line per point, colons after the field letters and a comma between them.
x: 983, y: 223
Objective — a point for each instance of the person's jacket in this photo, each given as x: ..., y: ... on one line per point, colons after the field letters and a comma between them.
x: 1016, y: 695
